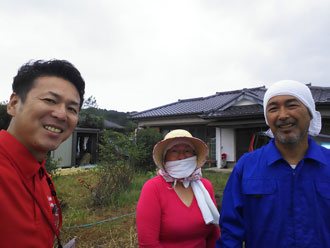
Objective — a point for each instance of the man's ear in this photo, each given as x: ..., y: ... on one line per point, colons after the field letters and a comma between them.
x: 13, y: 104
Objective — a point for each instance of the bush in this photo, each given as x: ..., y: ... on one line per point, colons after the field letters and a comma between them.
x: 51, y: 165
x: 146, y: 139
x: 112, y: 179
x: 117, y: 154
x: 114, y: 147
x: 114, y: 173
x: 89, y: 120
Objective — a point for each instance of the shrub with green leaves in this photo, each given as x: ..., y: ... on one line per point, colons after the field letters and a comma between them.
x: 51, y: 165
x: 146, y: 139
x: 89, y: 120
x: 114, y: 173
x: 114, y: 179
x: 117, y: 154
x: 114, y: 147
x: 110, y: 181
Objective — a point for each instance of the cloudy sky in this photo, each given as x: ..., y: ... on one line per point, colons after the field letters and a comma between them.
x: 138, y: 54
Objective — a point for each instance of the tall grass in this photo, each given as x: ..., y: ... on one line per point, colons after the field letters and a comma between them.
x: 78, y: 210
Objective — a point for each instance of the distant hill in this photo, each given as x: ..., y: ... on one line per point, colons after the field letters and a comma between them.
x: 96, y: 114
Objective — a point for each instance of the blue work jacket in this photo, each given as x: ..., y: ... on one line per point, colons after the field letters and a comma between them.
x: 267, y: 204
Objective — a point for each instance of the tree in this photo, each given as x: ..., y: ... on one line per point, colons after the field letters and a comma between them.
x: 130, y: 126
x: 88, y: 120
x: 114, y: 146
x: 146, y: 139
x: 114, y: 171
x: 90, y: 102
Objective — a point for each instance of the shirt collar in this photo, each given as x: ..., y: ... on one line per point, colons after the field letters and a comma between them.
x: 273, y: 153
x: 313, y: 152
x: 24, y: 160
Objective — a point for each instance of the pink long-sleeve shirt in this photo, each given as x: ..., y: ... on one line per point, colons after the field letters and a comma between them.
x: 163, y: 220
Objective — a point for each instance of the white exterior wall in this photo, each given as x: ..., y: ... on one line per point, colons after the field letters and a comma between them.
x: 64, y: 151
x: 225, y: 143
x: 228, y: 144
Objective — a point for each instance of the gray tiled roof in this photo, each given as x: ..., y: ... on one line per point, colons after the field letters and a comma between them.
x: 320, y: 94
x: 246, y: 110
x: 220, y: 104
x: 197, y: 106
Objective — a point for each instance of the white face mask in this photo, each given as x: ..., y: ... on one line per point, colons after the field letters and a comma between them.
x: 181, y: 168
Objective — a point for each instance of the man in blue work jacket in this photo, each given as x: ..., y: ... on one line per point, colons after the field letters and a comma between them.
x: 279, y: 195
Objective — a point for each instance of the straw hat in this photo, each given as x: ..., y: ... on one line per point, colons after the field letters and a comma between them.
x: 201, y: 148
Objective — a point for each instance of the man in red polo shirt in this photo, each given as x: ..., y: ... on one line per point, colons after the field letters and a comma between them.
x: 44, y: 106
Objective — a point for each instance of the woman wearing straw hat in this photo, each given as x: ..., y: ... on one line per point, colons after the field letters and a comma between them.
x: 177, y: 207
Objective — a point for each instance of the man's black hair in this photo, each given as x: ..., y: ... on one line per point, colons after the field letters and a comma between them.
x: 29, y: 72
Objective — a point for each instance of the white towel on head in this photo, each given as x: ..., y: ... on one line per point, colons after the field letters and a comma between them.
x: 301, y: 92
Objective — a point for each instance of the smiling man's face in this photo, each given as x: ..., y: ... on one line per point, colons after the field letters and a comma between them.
x: 47, y: 117
x: 288, y: 118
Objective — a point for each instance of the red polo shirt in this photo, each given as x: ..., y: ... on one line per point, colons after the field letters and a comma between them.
x: 22, y: 223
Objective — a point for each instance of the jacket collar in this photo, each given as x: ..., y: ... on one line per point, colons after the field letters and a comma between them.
x: 313, y: 152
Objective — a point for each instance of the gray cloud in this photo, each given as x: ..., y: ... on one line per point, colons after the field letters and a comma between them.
x: 135, y: 55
